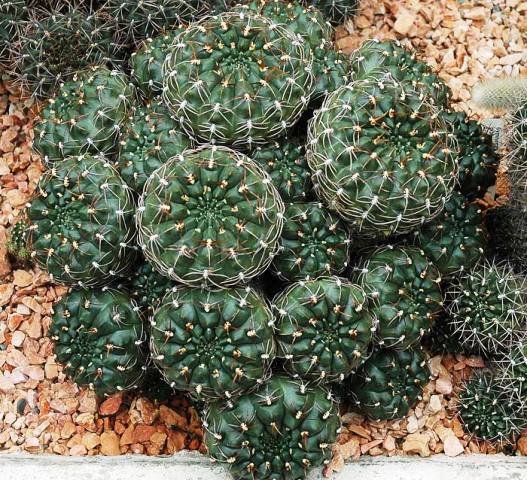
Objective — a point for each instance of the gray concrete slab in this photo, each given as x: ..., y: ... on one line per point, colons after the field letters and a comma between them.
x: 189, y: 466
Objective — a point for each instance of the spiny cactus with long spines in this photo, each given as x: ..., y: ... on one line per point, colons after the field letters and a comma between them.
x: 210, y: 217
x: 100, y: 339
x: 337, y: 11
x: 381, y: 156
x: 82, y: 225
x: 213, y: 345
x: 487, y: 411
x: 85, y: 116
x: 511, y: 370
x: 389, y: 383
x: 314, y: 242
x: 456, y: 240
x: 478, y: 162
x: 404, y: 287
x: 324, y: 328
x: 150, y: 138
x: 501, y: 94
x: 487, y: 307
x: 253, y: 79
x: 11, y: 13
x: 53, y: 45
x: 285, y: 161
x: 516, y: 139
x: 17, y: 244
x: 279, y: 432
x: 332, y: 69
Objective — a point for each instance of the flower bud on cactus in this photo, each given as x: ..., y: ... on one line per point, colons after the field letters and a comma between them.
x: 210, y: 217
x: 85, y: 116
x: 324, y: 328
x: 150, y: 138
x: 314, y: 242
x: 389, y: 383
x: 405, y: 293
x: 238, y: 79
x: 455, y: 241
x: 214, y: 345
x: 279, y: 432
x: 487, y: 307
x: 381, y: 157
x: 99, y: 338
x: 82, y: 224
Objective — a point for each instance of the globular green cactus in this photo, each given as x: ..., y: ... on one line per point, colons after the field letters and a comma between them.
x: 324, y: 328
x: 17, y: 244
x: 501, y: 94
x: 516, y: 139
x: 487, y: 307
x: 100, y: 340
x: 381, y: 156
x: 286, y: 163
x: 150, y: 138
x: 332, y: 69
x: 238, y: 79
x: 405, y: 292
x: 53, y: 45
x: 478, y: 162
x: 511, y: 369
x: 486, y: 410
x: 314, y: 242
x: 82, y: 224
x: 336, y: 11
x: 456, y: 240
x: 213, y: 345
x: 442, y: 338
x: 389, y: 383
x: 279, y: 432
x: 86, y: 115
x: 210, y: 217
x: 11, y: 13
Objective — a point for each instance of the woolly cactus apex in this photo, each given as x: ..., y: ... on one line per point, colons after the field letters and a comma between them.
x: 478, y: 162
x: 324, y: 328
x: 387, y: 176
x: 487, y: 307
x: 147, y: 62
x: 404, y: 287
x: 85, y: 116
x: 376, y: 59
x: 336, y: 11
x: 253, y: 79
x: 486, y: 410
x: 455, y: 241
x: 279, y: 432
x: 389, y: 383
x: 210, y: 217
x: 82, y: 224
x: 500, y: 94
x: 99, y: 338
x: 213, y: 345
x: 314, y: 242
x: 54, y: 45
x: 150, y: 138
x: 286, y: 163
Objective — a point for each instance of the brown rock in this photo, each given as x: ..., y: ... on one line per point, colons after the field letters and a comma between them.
x: 435, y: 405
x: 360, y: 431
x: 68, y: 430
x: 417, y: 443
x: 368, y: 446
x: 127, y: 438
x: 172, y: 418
x: 452, y: 446
x: 90, y: 440
x: 111, y: 405
x: 405, y: 21
x: 522, y: 445
x: 389, y: 443
x: 78, y: 450
x: 88, y: 402
x: 349, y: 449
x: 6, y: 291
x: 51, y: 370
x: 176, y: 441
x: 21, y: 278
x: 158, y: 439
x: 147, y: 409
x: 444, y: 385
x: 142, y: 433
x: 110, y: 444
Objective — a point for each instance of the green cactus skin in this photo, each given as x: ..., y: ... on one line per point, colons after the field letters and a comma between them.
x: 456, y: 240
x: 147, y: 62
x: 213, y: 345
x: 501, y: 94
x: 314, y: 242
x: 11, y: 13
x: 512, y: 371
x: 389, y: 383
x: 253, y: 80
x: 100, y: 340
x: 332, y: 69
x: 17, y: 243
x: 443, y: 340
x: 486, y: 411
x: 279, y: 432
x: 487, y: 307
x: 150, y: 139
x: 477, y: 160
x: 405, y: 293
x: 516, y: 138
x: 376, y: 59
x: 82, y: 224
x: 385, y: 177
x: 210, y: 217
x: 85, y: 116
x: 336, y: 11
x: 54, y: 45
x: 324, y: 328
x: 286, y: 163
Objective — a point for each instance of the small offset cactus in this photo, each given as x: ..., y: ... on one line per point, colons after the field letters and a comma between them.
x: 512, y: 371
x: 17, y: 244
x: 324, y: 328
x: 505, y: 94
